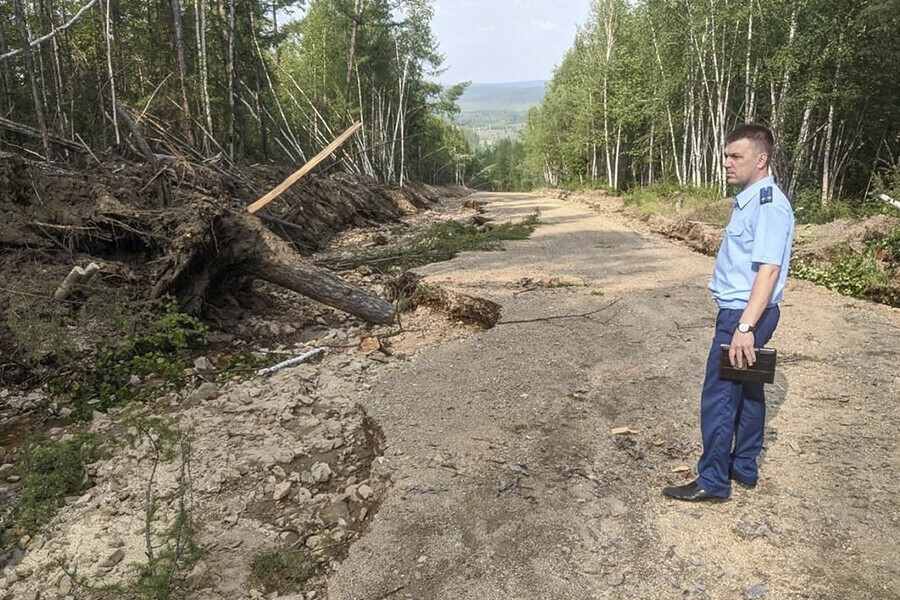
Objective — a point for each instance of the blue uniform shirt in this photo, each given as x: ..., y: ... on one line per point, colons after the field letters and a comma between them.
x: 760, y: 232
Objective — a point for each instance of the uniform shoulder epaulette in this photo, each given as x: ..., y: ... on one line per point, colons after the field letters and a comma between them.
x: 765, y: 195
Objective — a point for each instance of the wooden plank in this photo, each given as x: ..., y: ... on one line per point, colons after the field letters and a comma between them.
x: 305, y: 169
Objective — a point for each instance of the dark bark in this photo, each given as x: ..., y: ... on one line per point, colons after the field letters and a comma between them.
x: 324, y: 287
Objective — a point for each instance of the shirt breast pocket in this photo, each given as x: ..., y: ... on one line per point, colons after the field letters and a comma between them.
x: 740, y: 235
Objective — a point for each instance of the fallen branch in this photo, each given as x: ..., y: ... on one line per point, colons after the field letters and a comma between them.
x: 292, y: 362
x: 888, y: 200
x: 34, y: 133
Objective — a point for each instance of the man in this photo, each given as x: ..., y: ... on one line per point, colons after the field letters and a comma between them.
x: 747, y: 284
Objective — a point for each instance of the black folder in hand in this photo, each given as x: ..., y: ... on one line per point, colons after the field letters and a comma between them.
x: 762, y: 371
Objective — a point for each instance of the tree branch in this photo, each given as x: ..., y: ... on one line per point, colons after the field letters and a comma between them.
x: 53, y: 33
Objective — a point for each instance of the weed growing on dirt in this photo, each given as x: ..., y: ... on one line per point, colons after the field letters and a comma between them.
x: 50, y: 470
x: 137, y: 367
x: 442, y: 242
x: 284, y: 571
x: 172, y: 548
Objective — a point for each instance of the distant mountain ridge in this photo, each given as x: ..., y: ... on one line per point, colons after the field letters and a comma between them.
x: 516, y: 96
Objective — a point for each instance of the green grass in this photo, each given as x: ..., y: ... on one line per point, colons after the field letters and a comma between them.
x: 699, y: 204
x: 442, y: 241
x: 284, y: 571
x: 51, y: 470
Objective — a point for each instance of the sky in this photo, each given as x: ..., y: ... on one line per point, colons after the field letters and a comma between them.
x: 496, y: 41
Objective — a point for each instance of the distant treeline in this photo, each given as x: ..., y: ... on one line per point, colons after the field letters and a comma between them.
x: 650, y: 88
x: 206, y: 78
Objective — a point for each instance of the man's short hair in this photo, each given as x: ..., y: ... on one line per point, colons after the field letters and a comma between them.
x: 759, y: 135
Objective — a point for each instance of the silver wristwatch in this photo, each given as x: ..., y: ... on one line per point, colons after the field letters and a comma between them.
x: 746, y: 328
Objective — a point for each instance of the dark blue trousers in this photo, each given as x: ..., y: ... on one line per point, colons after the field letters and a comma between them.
x: 732, y: 414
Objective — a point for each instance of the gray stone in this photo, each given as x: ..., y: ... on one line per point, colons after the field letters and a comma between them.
x: 303, y: 495
x: 756, y: 592
x: 614, y: 579
x: 284, y: 455
x: 282, y: 490
x: 204, y: 365
x: 206, y: 391
x: 6, y: 469
x: 113, y: 559
x: 65, y: 586
x: 321, y: 472
x: 365, y: 492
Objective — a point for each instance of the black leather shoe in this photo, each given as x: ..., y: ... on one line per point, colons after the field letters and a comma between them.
x: 690, y: 492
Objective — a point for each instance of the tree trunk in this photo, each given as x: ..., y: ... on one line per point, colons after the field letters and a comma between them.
x: 200, y: 25
x: 107, y: 33
x: 827, y: 182
x: 324, y: 287
x: 244, y: 247
x: 4, y: 72
x: 351, y: 51
x: 182, y: 72
x: 32, y: 76
x: 227, y: 17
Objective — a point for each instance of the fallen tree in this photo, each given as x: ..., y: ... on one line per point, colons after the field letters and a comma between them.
x: 202, y: 245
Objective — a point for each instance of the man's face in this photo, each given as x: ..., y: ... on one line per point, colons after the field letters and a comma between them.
x: 744, y: 163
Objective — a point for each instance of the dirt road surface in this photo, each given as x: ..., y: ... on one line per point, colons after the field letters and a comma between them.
x: 507, y: 480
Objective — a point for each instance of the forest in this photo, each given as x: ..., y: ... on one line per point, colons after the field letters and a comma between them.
x: 235, y: 81
x: 649, y: 90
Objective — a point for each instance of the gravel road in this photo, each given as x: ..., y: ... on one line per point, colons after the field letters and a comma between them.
x: 507, y: 482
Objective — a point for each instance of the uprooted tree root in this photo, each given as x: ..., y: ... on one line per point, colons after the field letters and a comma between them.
x: 196, y: 243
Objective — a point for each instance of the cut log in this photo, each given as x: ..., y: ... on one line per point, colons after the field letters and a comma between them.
x: 77, y: 276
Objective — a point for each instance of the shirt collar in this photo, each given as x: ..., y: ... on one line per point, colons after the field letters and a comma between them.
x: 748, y: 194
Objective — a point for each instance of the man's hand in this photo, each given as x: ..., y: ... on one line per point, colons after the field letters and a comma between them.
x: 742, y: 350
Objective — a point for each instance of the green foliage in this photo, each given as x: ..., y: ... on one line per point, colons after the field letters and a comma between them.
x: 442, y: 241
x: 501, y: 168
x: 809, y: 209
x: 41, y: 331
x: 890, y: 244
x: 50, y: 470
x: 284, y: 571
x: 156, y: 356
x: 849, y: 274
x: 648, y: 88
